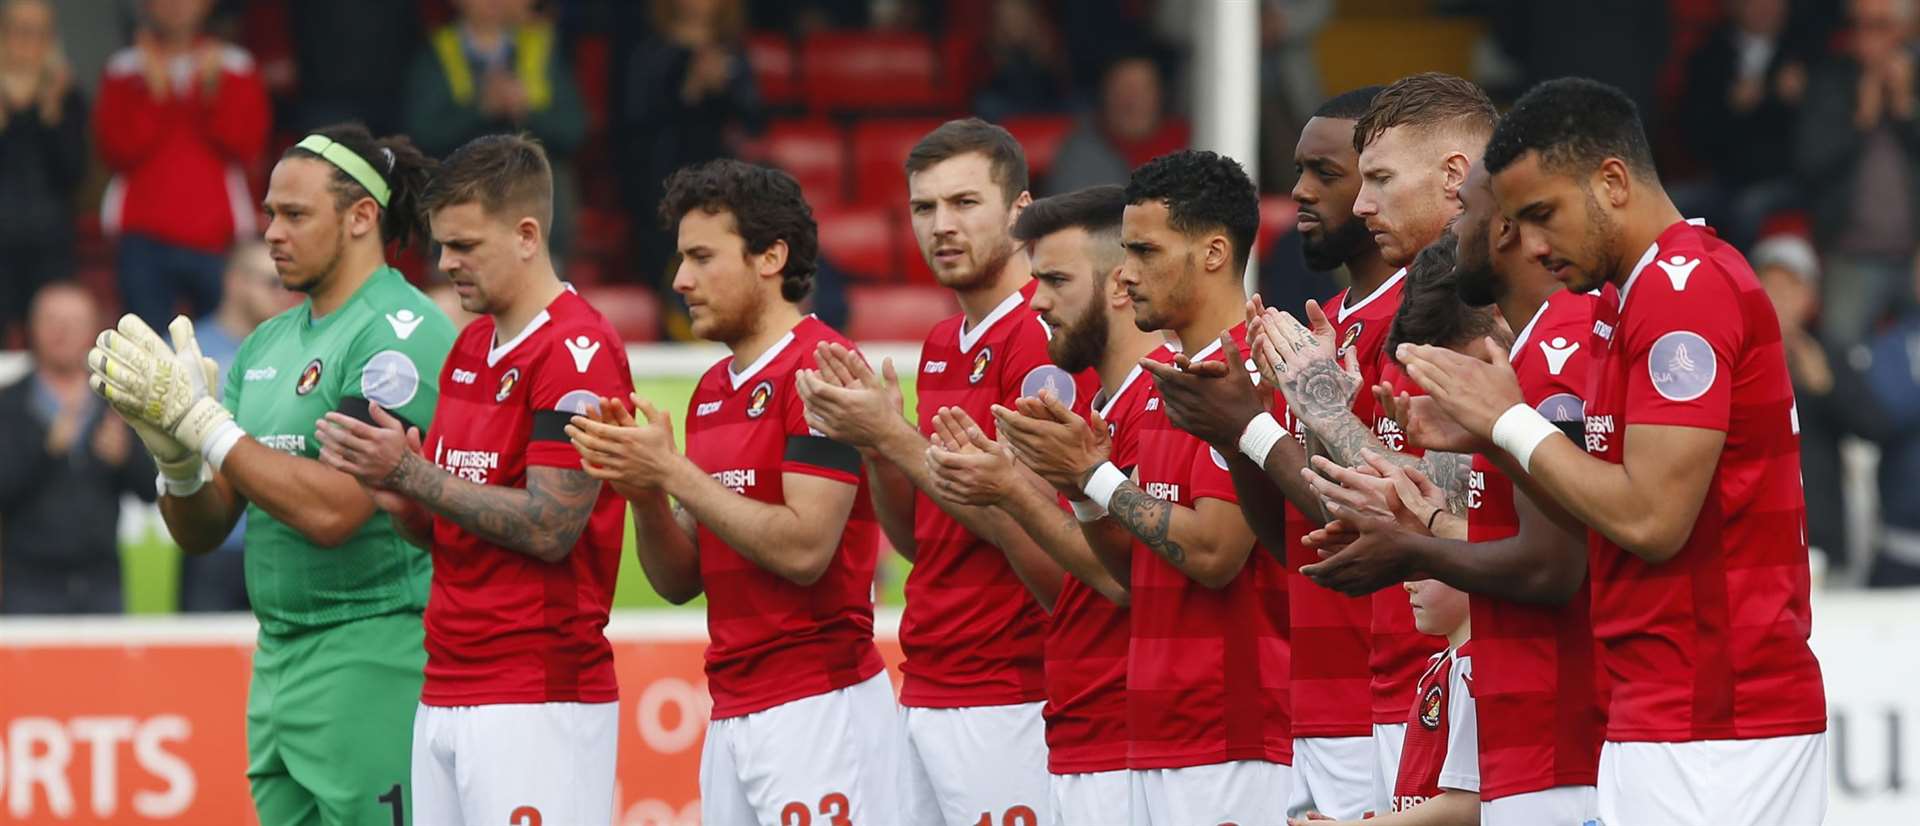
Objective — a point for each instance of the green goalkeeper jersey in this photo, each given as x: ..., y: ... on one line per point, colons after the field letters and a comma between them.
x: 385, y: 345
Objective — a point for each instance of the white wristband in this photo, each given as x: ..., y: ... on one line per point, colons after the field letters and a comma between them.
x: 1521, y: 429
x: 1104, y: 482
x: 1260, y: 436
x: 183, y: 488
x: 221, y: 442
x: 1087, y: 511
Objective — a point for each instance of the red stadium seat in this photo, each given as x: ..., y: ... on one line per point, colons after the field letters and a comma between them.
x: 856, y: 71
x: 1040, y: 136
x: 860, y: 240
x: 633, y: 311
x: 896, y: 313
x: 774, y: 69
x: 880, y: 148
x: 1276, y: 219
x: 814, y: 152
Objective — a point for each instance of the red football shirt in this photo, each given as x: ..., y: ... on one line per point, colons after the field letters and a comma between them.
x: 1330, y: 631
x: 773, y: 641
x: 1535, y: 683
x: 1711, y: 644
x: 501, y: 626
x: 972, y: 634
x: 1438, y: 752
x: 1087, y: 634
x: 1207, y: 673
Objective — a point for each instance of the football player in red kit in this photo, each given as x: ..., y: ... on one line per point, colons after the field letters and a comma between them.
x: 1687, y: 475
x: 518, y: 716
x: 772, y: 523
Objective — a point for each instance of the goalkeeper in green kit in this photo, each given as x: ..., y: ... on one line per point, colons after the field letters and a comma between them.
x: 338, y: 592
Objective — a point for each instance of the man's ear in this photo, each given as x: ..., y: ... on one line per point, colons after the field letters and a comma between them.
x: 363, y: 217
x: 1019, y: 205
x: 772, y: 261
x: 529, y: 236
x: 1218, y: 254
x: 1615, y: 181
x: 1454, y: 168
x: 1117, y: 297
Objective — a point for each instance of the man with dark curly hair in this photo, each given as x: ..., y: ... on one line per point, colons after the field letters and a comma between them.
x: 1210, y: 737
x: 770, y: 519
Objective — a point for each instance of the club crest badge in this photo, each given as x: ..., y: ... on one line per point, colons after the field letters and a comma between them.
x: 980, y: 363
x: 758, y: 400
x: 1353, y: 335
x: 309, y: 379
x: 1430, y: 708
x: 507, y: 382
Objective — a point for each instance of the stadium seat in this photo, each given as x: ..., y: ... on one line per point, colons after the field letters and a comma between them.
x: 896, y: 312
x: 1040, y: 136
x: 814, y: 152
x: 1276, y: 219
x: 771, y: 55
x: 860, y: 240
x: 880, y: 148
x: 633, y: 311
x: 862, y: 71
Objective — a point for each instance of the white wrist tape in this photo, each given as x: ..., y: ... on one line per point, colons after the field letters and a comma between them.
x: 1260, y: 436
x: 183, y: 488
x: 1104, y: 482
x: 220, y: 442
x: 1087, y: 511
x: 1521, y: 429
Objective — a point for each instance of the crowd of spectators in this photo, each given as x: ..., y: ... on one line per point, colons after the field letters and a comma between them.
x: 135, y: 136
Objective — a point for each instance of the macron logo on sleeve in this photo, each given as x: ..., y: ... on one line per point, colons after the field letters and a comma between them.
x: 1678, y: 270
x: 582, y: 350
x: 404, y: 322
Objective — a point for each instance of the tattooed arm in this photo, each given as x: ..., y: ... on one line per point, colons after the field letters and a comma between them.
x: 1321, y: 396
x: 1208, y: 542
x: 542, y: 520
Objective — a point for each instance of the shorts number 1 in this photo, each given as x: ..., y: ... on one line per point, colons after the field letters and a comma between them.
x: 393, y: 798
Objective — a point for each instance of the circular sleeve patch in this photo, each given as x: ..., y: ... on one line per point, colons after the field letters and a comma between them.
x: 577, y: 402
x: 1049, y: 377
x: 1563, y: 407
x: 389, y: 379
x: 1682, y: 365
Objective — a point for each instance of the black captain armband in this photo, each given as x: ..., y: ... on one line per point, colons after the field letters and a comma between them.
x: 360, y: 410
x: 551, y: 425
x: 821, y: 451
x: 1575, y: 430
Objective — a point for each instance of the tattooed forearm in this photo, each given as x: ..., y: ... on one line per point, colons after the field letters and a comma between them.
x: 542, y: 520
x: 1321, y: 390
x: 1450, y: 473
x: 1148, y: 518
x: 1342, y: 438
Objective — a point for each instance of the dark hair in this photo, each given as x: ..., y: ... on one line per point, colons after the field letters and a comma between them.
x: 507, y: 175
x: 1094, y: 209
x: 1006, y: 160
x: 1427, y: 100
x: 1349, y: 105
x: 1431, y: 311
x: 1575, y: 124
x: 405, y: 168
x: 1203, y: 191
x: 766, y: 204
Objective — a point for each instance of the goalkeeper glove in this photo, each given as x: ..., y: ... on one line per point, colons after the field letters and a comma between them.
x: 164, y: 388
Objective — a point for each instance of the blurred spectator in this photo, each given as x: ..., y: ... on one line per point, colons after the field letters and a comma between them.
x: 65, y: 462
x: 43, y: 156
x: 1129, y: 129
x: 1892, y: 365
x: 346, y: 54
x: 217, y: 581
x: 1290, y: 87
x: 91, y: 31
x: 1830, y: 394
x: 1858, y: 158
x: 1620, y: 42
x: 689, y: 96
x: 499, y: 68
x: 1024, y: 71
x: 1738, y: 113
x: 181, y: 117
x: 803, y: 17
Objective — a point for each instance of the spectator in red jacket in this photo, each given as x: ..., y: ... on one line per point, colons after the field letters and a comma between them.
x: 180, y: 118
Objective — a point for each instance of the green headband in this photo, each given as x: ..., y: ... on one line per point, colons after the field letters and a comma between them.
x: 349, y: 162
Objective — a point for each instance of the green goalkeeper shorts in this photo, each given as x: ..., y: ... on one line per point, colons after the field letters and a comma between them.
x: 330, y: 723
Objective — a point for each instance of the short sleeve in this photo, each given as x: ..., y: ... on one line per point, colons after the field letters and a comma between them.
x: 581, y: 366
x: 807, y: 451
x: 1028, y: 370
x: 1210, y: 478
x: 395, y: 363
x: 1461, y: 769
x: 1681, y: 346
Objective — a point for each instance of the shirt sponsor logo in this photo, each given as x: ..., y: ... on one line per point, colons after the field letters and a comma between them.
x: 1557, y: 352
x: 706, y: 408
x: 1599, y: 430
x: 309, y: 379
x: 1562, y: 407
x: 389, y: 379
x: 1682, y: 366
x: 736, y: 480
x: 1049, y: 377
x: 464, y: 376
x: 582, y: 350
x: 506, y: 385
x: 758, y: 400
x: 1476, y: 488
x: 1163, y: 491
x: 293, y: 443
x: 980, y: 364
x: 404, y: 322
x: 471, y: 465
x: 933, y: 367
x: 1678, y: 269
x: 259, y: 374
x: 1390, y: 434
